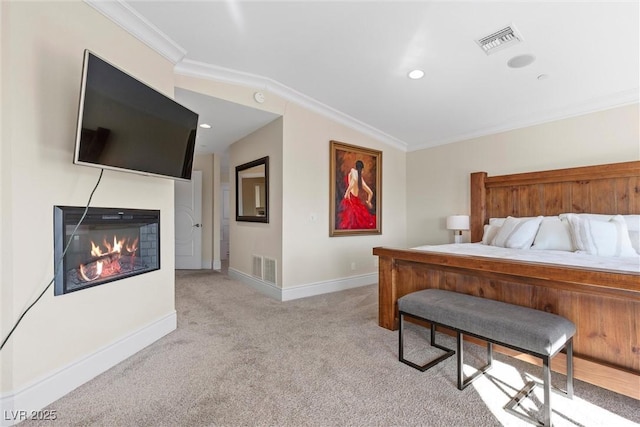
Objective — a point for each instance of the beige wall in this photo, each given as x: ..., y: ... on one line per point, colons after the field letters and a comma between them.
x: 254, y: 238
x: 6, y: 292
x: 42, y: 48
x: 304, y: 251
x: 438, y: 178
x: 309, y: 254
x: 297, y: 235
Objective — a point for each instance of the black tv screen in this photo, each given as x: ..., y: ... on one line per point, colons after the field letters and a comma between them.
x: 124, y: 124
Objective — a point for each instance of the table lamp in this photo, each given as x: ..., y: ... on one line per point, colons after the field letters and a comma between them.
x: 457, y: 223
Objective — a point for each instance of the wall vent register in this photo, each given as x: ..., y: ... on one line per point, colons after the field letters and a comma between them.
x: 256, y: 267
x: 269, y: 273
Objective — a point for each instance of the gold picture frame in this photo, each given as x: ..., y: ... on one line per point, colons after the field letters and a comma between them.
x: 355, y: 187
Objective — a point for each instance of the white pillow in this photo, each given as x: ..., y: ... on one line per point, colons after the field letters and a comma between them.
x: 596, y: 237
x: 634, y: 236
x: 633, y: 222
x: 496, y: 221
x: 517, y: 233
x: 554, y: 235
x: 489, y: 233
x: 596, y: 217
x: 633, y: 225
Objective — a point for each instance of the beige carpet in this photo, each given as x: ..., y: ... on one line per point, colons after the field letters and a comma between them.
x: 239, y: 358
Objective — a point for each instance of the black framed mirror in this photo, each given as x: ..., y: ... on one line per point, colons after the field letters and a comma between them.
x: 252, y: 191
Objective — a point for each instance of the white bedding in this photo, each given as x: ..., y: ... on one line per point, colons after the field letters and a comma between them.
x: 623, y: 264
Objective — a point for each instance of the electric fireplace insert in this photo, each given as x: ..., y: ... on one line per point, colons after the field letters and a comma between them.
x: 110, y: 244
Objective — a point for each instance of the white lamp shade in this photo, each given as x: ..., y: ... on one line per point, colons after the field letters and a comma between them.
x: 458, y: 222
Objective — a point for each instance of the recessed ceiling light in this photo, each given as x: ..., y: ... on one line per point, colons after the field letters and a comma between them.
x: 416, y: 74
x: 521, y: 61
x: 205, y: 126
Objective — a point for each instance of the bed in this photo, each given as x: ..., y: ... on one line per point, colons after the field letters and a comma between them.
x: 604, y: 303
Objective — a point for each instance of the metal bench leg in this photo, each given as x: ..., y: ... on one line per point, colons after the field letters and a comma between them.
x: 517, y: 399
x: 428, y: 365
x: 460, y: 350
x: 568, y: 391
x: 547, y: 386
x: 462, y: 382
x: 546, y: 378
x: 526, y: 391
x: 433, y: 334
x: 400, y: 337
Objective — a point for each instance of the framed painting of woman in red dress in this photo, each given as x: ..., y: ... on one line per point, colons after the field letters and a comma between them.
x: 355, y: 190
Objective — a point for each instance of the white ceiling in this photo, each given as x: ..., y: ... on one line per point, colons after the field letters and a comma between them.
x: 229, y: 121
x: 350, y: 59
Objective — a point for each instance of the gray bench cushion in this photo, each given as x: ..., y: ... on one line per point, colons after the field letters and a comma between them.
x: 526, y: 328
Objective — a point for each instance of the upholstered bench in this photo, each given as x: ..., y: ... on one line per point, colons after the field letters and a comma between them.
x: 531, y: 331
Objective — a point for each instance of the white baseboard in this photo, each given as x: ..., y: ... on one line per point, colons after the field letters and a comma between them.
x: 261, y: 286
x: 303, y: 291
x: 53, y: 386
x: 328, y: 286
x: 208, y: 264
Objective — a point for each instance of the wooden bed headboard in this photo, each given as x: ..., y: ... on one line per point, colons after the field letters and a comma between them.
x: 606, y: 189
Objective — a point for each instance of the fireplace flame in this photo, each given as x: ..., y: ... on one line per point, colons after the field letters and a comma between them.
x: 105, y: 263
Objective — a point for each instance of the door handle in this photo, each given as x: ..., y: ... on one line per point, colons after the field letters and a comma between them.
x: 197, y: 225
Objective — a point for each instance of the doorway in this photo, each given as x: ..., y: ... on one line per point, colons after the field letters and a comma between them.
x: 188, y: 222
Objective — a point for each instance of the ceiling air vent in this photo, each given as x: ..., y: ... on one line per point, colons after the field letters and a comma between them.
x: 499, y: 40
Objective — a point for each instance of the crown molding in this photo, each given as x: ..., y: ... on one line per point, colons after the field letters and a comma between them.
x: 126, y: 17
x: 619, y: 99
x: 190, y: 68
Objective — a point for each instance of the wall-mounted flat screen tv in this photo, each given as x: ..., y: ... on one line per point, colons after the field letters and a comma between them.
x: 123, y: 124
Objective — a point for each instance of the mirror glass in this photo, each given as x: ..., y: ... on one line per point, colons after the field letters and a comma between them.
x: 252, y: 191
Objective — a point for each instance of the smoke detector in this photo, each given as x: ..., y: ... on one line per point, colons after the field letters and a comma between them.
x: 499, y: 40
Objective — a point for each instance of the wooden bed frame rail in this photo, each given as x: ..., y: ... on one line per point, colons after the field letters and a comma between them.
x: 604, y: 305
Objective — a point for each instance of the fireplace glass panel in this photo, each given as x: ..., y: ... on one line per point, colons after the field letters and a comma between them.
x: 110, y: 244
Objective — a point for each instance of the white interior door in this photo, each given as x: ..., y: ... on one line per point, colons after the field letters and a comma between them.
x: 188, y: 218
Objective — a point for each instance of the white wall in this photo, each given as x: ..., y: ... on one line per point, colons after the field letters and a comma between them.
x: 42, y: 49
x: 438, y: 178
